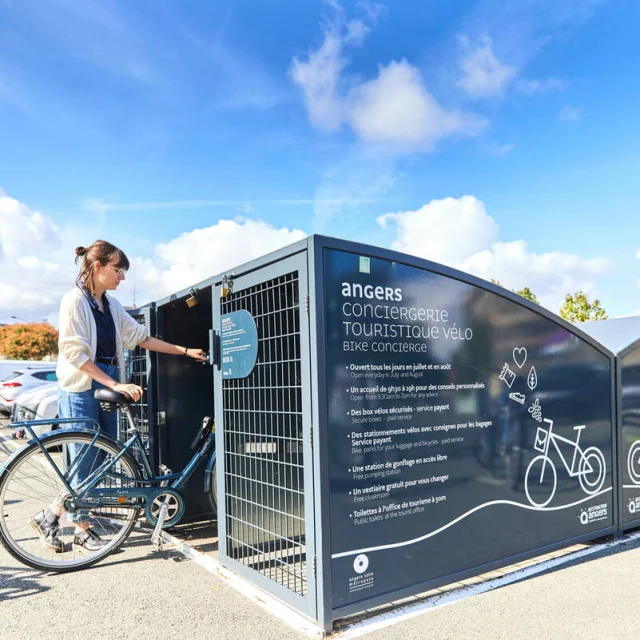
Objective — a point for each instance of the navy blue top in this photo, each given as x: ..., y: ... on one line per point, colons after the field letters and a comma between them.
x: 106, y: 338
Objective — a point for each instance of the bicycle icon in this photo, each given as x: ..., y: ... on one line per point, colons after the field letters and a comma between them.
x: 589, y: 465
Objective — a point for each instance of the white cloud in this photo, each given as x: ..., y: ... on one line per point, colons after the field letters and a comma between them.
x: 483, y: 75
x: 446, y: 231
x: 531, y: 87
x: 202, y: 253
x: 393, y: 109
x: 319, y: 77
x: 569, y: 113
x: 22, y: 229
x: 459, y: 232
x: 396, y: 109
x: 29, y: 285
x: 37, y: 259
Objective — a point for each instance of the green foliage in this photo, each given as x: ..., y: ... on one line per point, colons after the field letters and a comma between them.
x: 32, y: 341
x: 578, y: 308
x: 528, y: 294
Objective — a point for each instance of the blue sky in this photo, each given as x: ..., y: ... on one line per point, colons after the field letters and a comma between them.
x: 499, y: 137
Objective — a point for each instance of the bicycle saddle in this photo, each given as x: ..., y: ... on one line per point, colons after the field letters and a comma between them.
x: 111, y: 396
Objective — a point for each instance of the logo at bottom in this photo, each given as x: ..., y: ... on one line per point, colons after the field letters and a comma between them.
x: 361, y: 563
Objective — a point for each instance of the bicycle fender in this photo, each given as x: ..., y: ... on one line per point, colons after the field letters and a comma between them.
x: 208, y: 474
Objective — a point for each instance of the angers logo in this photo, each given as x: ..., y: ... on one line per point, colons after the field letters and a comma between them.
x: 363, y: 578
x: 361, y: 563
x: 594, y: 513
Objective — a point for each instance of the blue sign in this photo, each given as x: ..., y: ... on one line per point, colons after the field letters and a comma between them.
x: 239, y: 341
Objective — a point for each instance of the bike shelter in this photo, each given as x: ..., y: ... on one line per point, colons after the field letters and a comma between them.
x: 384, y: 425
x: 622, y: 337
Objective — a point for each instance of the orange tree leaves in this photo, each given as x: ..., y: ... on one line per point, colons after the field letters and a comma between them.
x: 32, y: 341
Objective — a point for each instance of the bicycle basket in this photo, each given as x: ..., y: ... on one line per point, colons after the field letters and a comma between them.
x: 541, y: 439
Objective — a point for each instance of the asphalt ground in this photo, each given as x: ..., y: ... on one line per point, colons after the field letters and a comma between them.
x: 136, y: 593
x: 141, y: 593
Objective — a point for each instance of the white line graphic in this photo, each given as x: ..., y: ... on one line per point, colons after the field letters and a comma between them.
x: 520, y: 356
x: 406, y: 543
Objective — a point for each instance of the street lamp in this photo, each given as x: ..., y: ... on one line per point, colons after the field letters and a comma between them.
x: 27, y: 321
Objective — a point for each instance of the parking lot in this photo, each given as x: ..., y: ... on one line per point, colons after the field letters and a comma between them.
x: 134, y: 593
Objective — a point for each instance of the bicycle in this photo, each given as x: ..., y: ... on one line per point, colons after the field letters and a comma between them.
x: 111, y: 497
x: 591, y: 465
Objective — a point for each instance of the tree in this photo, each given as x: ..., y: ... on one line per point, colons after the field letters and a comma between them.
x: 32, y: 341
x: 577, y: 308
x: 528, y: 294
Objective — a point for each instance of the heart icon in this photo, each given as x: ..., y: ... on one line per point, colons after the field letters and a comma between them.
x: 520, y: 356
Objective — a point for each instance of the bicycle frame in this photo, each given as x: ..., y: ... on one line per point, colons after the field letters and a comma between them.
x: 121, y: 497
x: 552, y: 437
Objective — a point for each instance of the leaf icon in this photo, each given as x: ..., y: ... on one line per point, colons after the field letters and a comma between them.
x: 532, y: 378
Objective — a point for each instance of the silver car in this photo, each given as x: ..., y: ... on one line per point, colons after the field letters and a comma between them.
x: 22, y: 379
x: 40, y: 403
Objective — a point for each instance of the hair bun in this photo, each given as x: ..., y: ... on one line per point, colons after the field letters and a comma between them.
x: 81, y: 251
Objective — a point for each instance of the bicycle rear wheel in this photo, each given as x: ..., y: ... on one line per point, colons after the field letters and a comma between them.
x: 30, y: 483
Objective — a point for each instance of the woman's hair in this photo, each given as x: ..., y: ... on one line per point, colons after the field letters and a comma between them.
x: 99, y: 252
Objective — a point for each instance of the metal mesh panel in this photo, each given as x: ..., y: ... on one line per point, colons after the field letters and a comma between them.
x: 136, y: 372
x: 263, y: 449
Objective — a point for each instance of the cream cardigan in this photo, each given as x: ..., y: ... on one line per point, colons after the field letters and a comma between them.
x: 77, y: 341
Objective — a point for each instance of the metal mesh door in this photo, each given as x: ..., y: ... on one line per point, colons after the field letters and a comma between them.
x: 138, y: 370
x: 263, y: 440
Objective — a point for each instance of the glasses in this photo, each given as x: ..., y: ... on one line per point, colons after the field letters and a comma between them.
x: 121, y: 273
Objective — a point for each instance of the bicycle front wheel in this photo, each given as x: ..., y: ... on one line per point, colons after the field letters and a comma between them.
x: 540, y: 481
x: 31, y: 483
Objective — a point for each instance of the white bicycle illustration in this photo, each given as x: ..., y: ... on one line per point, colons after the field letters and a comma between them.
x: 633, y: 462
x: 589, y: 465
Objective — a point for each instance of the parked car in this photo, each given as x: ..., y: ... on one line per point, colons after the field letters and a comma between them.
x: 22, y: 379
x: 39, y: 403
x: 7, y: 367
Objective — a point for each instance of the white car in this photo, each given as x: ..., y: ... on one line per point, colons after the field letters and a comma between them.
x: 7, y: 367
x: 22, y: 379
x: 40, y: 403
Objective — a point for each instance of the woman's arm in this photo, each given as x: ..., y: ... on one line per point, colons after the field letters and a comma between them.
x: 133, y: 391
x: 153, y: 344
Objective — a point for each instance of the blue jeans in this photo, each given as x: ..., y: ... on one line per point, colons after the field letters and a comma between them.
x: 82, y: 404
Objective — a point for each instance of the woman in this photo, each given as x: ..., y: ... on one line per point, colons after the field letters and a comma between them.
x: 94, y: 330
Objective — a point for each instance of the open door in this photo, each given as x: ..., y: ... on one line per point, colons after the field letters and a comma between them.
x: 263, y: 421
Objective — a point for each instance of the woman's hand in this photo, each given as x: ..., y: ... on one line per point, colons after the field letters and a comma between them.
x: 197, y: 354
x: 132, y: 391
